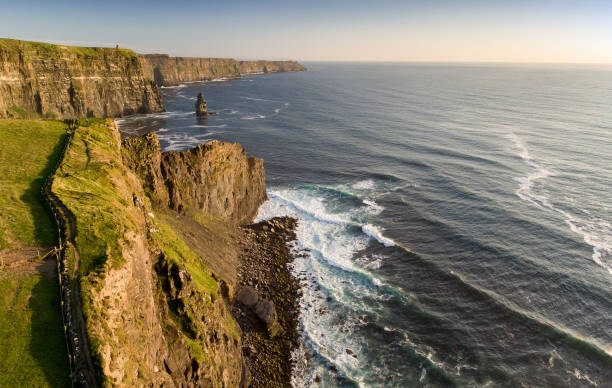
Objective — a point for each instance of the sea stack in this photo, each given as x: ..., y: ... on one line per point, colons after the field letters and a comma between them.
x: 201, y: 106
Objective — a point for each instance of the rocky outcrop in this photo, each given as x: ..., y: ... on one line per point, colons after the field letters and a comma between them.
x: 169, y: 71
x: 213, y: 179
x: 201, y: 109
x: 38, y: 79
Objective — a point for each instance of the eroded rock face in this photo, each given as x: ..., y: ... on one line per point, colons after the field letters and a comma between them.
x: 250, y: 67
x: 199, y: 321
x: 167, y: 71
x: 72, y: 82
x: 213, y: 179
x: 201, y: 109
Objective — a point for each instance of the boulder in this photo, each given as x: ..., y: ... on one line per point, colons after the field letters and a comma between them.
x: 266, y: 311
x: 248, y: 296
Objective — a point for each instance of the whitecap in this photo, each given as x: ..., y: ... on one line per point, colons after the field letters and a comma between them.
x: 375, y: 233
x: 373, y: 208
x: 254, y: 117
x: 367, y: 184
x: 208, y: 126
x: 179, y: 86
x: 595, y: 233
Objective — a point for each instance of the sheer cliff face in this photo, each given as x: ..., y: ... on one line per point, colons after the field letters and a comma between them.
x: 39, y: 79
x: 70, y: 82
x: 248, y: 67
x: 167, y: 71
x: 214, y: 179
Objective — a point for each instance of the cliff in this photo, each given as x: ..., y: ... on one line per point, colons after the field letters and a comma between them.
x: 39, y: 79
x: 52, y: 81
x: 150, y: 282
x: 214, y: 179
x: 167, y: 71
x: 249, y: 67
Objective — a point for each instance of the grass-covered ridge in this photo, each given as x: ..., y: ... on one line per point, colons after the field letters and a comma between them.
x: 32, y: 343
x: 48, y: 50
x: 94, y: 186
x: 87, y: 183
x: 119, y: 237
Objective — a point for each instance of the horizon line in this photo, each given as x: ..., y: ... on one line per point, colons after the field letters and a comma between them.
x: 422, y: 61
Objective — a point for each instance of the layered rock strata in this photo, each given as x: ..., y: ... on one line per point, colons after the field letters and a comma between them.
x: 213, y: 179
x: 70, y: 82
x: 170, y: 71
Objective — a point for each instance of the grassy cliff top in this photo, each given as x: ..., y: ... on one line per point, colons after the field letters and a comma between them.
x: 53, y: 50
x: 90, y: 182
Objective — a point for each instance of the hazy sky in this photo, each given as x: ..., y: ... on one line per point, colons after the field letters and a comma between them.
x: 385, y: 30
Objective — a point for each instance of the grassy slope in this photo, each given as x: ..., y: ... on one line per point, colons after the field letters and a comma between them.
x: 28, y: 153
x: 180, y: 254
x: 31, y: 336
x: 85, y: 183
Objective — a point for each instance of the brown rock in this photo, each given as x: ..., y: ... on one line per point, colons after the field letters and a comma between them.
x: 213, y: 179
x: 61, y: 82
x: 248, y: 296
x: 266, y: 311
x: 201, y: 109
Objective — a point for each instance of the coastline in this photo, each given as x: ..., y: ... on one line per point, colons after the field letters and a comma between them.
x: 264, y: 266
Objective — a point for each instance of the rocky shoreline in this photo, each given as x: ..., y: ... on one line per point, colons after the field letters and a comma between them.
x: 264, y: 273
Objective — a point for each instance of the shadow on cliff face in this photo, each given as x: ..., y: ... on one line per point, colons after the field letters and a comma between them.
x: 158, y: 77
x: 47, y: 342
x: 44, y: 224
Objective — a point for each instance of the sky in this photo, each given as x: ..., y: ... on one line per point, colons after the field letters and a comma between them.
x: 562, y: 31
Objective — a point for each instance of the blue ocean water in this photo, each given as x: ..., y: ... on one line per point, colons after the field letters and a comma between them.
x: 456, y: 219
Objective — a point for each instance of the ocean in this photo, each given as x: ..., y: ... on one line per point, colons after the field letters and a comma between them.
x: 455, y: 221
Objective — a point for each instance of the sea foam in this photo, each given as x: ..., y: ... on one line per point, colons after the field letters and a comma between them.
x: 596, y: 233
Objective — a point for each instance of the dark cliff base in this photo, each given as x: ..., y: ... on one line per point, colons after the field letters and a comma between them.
x: 264, y: 266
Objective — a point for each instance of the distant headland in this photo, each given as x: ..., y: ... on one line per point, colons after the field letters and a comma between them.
x: 54, y: 81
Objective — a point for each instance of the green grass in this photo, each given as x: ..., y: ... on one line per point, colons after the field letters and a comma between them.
x: 32, y: 344
x: 51, y: 50
x: 31, y: 335
x: 29, y: 152
x: 180, y: 254
x: 87, y: 183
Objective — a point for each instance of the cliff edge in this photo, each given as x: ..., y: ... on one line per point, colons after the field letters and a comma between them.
x: 214, y: 179
x: 169, y: 71
x: 39, y: 79
x: 152, y: 254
